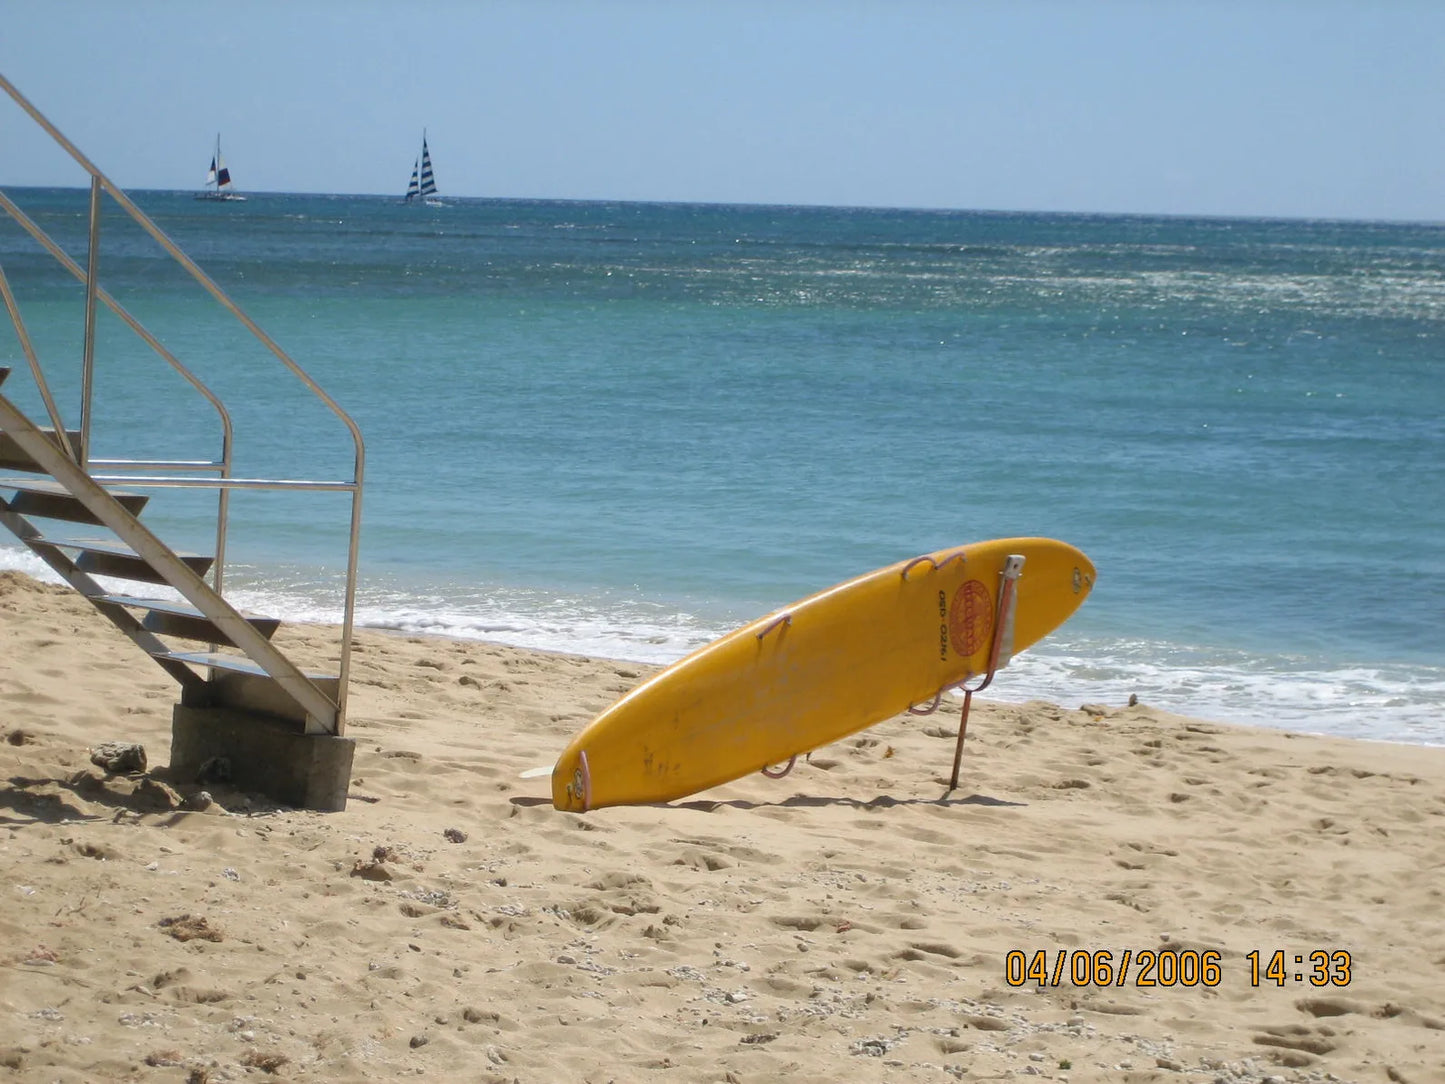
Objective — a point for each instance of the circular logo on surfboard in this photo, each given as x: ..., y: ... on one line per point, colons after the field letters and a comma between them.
x: 970, y: 618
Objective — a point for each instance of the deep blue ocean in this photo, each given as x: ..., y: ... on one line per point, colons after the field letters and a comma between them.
x: 623, y: 429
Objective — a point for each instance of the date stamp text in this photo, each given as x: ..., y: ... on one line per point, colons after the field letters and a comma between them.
x: 1173, y: 967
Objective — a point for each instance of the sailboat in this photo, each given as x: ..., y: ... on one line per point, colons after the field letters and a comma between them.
x: 218, y: 178
x: 423, y: 182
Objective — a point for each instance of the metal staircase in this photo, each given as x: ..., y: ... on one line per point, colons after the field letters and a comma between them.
x: 241, y: 698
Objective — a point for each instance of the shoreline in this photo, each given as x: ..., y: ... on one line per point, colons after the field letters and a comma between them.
x: 950, y: 696
x: 1329, y: 697
x: 848, y: 922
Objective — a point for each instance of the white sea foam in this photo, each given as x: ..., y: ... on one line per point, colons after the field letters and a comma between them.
x: 1386, y: 703
x: 1389, y: 703
x: 21, y: 560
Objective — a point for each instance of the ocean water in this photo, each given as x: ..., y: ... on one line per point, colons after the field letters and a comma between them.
x: 623, y: 429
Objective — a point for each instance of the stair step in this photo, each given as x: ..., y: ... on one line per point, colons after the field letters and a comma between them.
x: 168, y: 617
x: 220, y: 660
x: 13, y: 457
x: 51, y: 500
x: 241, y: 684
x: 106, y: 557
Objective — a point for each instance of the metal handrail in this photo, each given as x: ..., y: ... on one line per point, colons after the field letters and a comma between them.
x: 164, y: 481
x: 222, y: 465
x: 225, y: 483
x: 33, y: 360
x: 63, y: 258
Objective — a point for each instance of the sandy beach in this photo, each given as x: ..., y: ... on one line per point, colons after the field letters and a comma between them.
x: 848, y: 922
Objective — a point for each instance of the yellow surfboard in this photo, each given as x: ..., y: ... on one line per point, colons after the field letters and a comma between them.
x: 821, y: 669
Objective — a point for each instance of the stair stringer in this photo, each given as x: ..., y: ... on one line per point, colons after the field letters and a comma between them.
x: 323, y: 716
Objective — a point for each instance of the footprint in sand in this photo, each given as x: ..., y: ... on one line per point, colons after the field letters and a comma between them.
x: 1298, y: 1044
x: 1320, y: 1007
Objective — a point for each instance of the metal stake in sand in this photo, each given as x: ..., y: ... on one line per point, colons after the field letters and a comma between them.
x: 999, y: 654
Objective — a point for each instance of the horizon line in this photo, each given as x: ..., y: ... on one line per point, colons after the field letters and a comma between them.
x: 918, y: 209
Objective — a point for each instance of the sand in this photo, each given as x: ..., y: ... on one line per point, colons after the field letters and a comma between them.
x: 848, y: 922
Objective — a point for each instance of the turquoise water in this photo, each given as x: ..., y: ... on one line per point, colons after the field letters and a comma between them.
x: 623, y: 429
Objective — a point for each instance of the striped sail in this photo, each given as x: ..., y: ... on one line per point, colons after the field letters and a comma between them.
x: 428, y: 181
x: 423, y: 181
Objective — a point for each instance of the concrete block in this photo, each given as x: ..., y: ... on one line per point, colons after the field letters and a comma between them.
x: 265, y: 755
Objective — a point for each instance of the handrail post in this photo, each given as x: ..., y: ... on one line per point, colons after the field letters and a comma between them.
x: 27, y: 347
x: 92, y: 280
x: 223, y: 510
x: 348, y: 611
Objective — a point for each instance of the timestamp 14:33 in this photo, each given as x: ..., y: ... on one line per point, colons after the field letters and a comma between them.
x: 1173, y: 967
x: 1321, y: 967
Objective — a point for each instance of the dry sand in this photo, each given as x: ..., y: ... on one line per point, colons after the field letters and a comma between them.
x: 848, y: 922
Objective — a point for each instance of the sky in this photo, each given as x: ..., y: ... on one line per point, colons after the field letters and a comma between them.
x: 1288, y: 108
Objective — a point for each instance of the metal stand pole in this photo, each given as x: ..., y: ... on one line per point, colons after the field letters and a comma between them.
x: 999, y: 653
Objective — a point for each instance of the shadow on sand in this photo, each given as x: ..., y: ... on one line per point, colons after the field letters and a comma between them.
x: 806, y: 801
